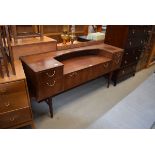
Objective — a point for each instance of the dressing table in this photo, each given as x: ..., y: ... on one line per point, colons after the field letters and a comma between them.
x: 51, y: 73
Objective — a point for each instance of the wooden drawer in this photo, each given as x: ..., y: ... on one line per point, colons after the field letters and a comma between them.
x: 13, y: 96
x: 137, y: 32
x: 127, y: 70
x: 75, y: 78
x: 130, y: 56
x: 15, y: 118
x: 53, y: 73
x: 100, y: 69
x: 134, y: 43
x: 78, y: 77
x: 49, y: 87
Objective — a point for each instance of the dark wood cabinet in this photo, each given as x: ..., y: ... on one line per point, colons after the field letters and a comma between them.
x: 133, y: 40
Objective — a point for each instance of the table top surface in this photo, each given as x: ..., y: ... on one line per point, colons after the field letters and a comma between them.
x: 19, y: 73
x: 39, y: 62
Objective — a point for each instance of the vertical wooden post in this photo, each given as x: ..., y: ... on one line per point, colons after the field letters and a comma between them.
x: 10, y: 50
x: 14, y: 33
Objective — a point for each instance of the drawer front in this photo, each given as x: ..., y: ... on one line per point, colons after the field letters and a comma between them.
x: 13, y: 96
x: 49, y: 74
x: 78, y: 77
x: 127, y: 70
x: 130, y: 56
x: 138, y: 32
x: 135, y: 43
x: 100, y: 69
x: 75, y: 78
x: 49, y: 87
x: 15, y: 118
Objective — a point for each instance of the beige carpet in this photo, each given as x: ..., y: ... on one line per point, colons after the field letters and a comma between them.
x: 137, y: 110
x: 82, y: 106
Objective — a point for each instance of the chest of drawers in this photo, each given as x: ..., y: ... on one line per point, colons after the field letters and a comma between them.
x: 15, y: 109
x: 133, y: 40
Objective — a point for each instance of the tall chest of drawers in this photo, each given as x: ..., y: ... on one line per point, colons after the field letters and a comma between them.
x: 15, y: 109
x: 133, y: 40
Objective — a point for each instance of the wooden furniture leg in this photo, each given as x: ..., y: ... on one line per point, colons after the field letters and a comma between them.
x: 49, y: 102
x: 109, y: 79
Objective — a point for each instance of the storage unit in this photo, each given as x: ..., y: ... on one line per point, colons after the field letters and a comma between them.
x: 15, y: 109
x: 133, y: 40
x: 52, y: 73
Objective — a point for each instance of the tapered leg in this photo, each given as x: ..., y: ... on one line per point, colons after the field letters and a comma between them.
x: 115, y: 82
x: 109, y: 78
x: 49, y: 102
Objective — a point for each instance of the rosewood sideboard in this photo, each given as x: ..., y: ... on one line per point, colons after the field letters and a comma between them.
x: 51, y: 73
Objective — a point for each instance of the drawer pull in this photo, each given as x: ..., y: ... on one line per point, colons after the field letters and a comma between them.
x: 2, y: 91
x: 51, y: 85
x: 73, y: 74
x: 7, y: 104
x: 123, y: 72
x: 127, y: 53
x: 106, y: 65
x: 130, y: 43
x: 12, y: 119
x: 126, y: 62
x: 50, y: 75
x: 117, y: 61
x: 136, y: 58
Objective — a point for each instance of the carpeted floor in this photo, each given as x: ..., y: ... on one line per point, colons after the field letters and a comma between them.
x: 137, y: 110
x: 85, y: 105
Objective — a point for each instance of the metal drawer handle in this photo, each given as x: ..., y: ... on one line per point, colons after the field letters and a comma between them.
x: 106, y: 65
x: 2, y: 90
x: 130, y: 43
x: 136, y: 58
x: 50, y: 75
x: 117, y: 61
x: 123, y: 72
x: 7, y: 104
x: 12, y: 119
x: 126, y: 62
x: 51, y: 85
x: 73, y: 74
